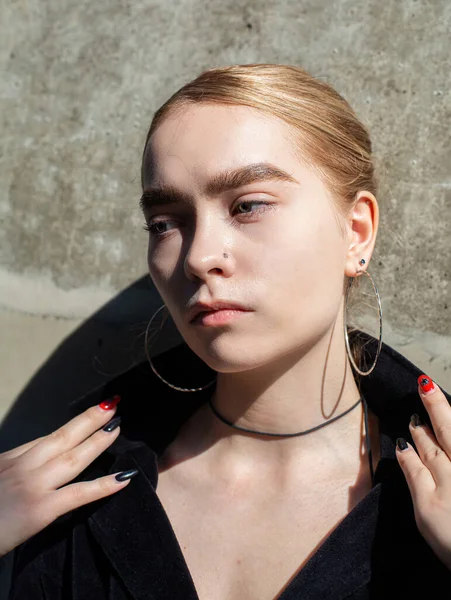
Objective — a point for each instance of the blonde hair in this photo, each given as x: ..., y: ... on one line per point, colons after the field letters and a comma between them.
x: 326, y: 131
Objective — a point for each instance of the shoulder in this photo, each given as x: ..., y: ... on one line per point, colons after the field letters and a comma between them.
x: 31, y: 575
x: 65, y: 553
x: 391, y: 390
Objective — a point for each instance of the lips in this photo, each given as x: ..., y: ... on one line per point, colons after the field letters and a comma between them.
x: 203, y: 307
x: 218, y: 318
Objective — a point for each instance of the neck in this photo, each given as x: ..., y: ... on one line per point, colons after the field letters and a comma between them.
x: 299, y: 392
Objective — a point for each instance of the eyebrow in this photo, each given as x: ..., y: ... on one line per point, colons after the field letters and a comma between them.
x: 222, y: 182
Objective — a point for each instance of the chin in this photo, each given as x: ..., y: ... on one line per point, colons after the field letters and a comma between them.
x: 227, y: 355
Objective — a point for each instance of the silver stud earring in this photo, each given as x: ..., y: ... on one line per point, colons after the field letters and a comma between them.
x: 362, y: 261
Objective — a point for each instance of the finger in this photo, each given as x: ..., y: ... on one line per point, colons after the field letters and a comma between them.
x: 419, y: 478
x: 69, y: 435
x: 67, y: 466
x: 78, y: 494
x: 430, y: 452
x: 19, y: 450
x: 438, y: 409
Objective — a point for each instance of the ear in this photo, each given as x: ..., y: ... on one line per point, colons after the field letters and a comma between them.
x: 362, y: 224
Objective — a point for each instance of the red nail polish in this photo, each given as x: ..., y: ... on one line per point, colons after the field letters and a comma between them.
x: 109, y: 404
x: 426, y: 383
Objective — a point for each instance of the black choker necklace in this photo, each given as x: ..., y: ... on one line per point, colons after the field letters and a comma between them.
x: 282, y: 434
x: 365, y: 410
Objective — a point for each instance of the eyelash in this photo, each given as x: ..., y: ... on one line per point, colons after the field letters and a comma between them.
x: 264, y: 206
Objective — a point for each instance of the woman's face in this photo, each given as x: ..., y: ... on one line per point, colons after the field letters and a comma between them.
x: 286, y: 250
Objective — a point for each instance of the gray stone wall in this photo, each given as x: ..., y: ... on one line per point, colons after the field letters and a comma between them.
x: 80, y: 83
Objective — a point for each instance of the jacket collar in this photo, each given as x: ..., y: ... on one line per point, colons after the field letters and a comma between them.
x: 132, y: 526
x: 152, y: 412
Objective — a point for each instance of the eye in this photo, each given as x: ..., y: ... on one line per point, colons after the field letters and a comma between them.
x: 263, y: 206
x: 156, y: 228
x: 152, y: 228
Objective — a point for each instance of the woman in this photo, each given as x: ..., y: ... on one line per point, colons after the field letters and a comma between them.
x: 291, y: 477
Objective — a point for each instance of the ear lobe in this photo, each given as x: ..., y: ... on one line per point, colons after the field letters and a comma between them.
x: 363, y: 221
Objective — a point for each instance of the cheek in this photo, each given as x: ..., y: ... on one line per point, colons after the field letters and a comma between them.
x: 162, y: 260
x: 160, y: 272
x: 306, y: 250
x: 305, y: 272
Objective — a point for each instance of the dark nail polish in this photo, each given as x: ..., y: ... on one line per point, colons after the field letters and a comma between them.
x: 401, y: 443
x: 415, y: 420
x: 112, y: 424
x: 126, y: 474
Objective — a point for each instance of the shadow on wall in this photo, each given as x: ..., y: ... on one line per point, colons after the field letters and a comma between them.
x: 108, y: 343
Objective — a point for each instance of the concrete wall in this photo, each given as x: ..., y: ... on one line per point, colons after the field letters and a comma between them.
x: 80, y: 82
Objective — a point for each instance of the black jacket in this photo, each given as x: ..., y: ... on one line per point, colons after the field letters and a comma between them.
x: 123, y: 547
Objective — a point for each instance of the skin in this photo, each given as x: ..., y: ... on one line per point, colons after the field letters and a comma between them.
x: 428, y: 473
x: 282, y: 367
x: 32, y: 476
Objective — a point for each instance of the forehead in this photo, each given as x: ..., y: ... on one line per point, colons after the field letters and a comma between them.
x: 199, y: 140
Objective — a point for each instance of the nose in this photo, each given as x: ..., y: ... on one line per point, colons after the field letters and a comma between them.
x: 208, y: 255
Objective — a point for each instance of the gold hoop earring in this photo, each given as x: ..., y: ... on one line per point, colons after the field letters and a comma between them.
x: 179, y: 389
x: 348, y: 349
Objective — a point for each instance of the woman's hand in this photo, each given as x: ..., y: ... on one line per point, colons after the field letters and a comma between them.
x: 31, y: 475
x: 428, y: 472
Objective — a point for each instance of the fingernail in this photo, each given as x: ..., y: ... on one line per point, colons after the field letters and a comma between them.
x: 415, y: 420
x: 401, y: 443
x: 426, y: 383
x: 112, y: 424
x: 126, y: 474
x: 110, y: 403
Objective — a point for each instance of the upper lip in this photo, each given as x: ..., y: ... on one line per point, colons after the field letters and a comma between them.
x: 200, y: 307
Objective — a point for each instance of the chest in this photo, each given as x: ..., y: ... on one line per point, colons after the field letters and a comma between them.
x: 251, y: 545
